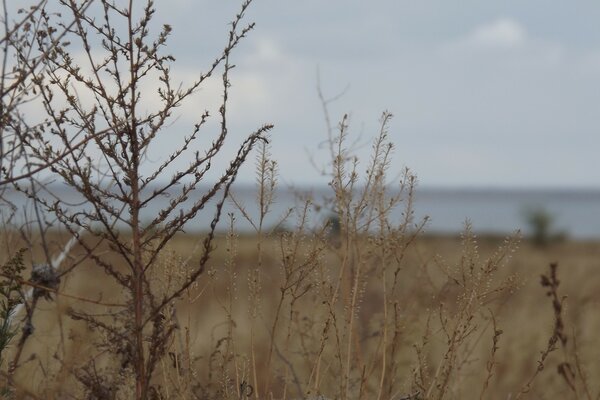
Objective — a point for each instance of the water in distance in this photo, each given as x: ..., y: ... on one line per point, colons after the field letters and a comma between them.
x: 575, y: 213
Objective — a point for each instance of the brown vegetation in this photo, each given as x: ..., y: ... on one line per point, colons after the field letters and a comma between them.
x: 211, y: 353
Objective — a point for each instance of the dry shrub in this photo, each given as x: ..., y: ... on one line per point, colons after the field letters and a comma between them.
x: 334, y: 310
x: 353, y: 308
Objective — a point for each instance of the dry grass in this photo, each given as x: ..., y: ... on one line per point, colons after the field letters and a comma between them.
x: 224, y: 329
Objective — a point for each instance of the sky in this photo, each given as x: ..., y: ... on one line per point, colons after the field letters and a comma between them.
x: 484, y: 94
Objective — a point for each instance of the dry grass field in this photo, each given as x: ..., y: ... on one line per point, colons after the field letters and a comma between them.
x: 252, y: 322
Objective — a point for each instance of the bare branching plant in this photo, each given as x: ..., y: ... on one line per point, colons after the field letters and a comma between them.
x: 472, y: 291
x: 30, y: 41
x: 23, y: 59
x: 317, y: 338
x: 570, y: 368
x: 89, y: 76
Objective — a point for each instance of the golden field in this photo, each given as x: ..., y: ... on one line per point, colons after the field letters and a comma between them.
x: 265, y: 314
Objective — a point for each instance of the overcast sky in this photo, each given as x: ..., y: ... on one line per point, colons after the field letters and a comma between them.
x: 484, y: 93
x: 494, y: 94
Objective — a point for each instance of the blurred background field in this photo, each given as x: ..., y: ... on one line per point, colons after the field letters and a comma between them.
x: 524, y: 314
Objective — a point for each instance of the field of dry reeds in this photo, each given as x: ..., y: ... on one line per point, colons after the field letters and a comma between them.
x: 262, y: 323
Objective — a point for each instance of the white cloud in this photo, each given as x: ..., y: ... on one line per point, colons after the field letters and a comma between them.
x: 503, y: 32
x: 267, y: 50
x: 504, y: 43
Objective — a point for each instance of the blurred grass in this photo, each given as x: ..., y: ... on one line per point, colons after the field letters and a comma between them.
x: 524, y: 316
